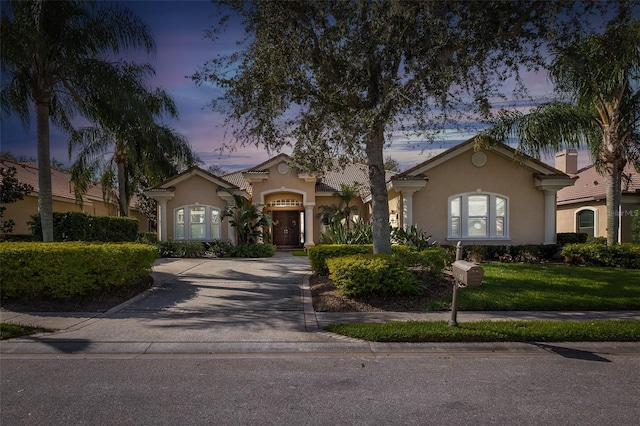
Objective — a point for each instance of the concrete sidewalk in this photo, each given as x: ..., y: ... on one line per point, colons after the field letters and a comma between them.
x: 227, y: 305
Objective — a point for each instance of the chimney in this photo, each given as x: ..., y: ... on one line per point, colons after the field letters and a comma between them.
x: 567, y: 161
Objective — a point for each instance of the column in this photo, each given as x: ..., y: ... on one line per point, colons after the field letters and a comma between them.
x: 308, y: 225
x: 550, y: 216
x: 407, y: 208
x: 162, y: 220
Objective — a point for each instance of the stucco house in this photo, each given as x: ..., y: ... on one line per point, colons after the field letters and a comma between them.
x: 63, y: 198
x: 480, y: 197
x: 582, y: 207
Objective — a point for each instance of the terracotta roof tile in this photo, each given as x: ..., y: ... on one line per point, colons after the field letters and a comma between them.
x: 591, y: 185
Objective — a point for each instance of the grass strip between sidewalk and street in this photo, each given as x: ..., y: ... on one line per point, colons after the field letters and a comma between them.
x: 493, y: 331
x: 10, y: 330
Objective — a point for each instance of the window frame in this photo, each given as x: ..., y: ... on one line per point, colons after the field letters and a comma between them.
x: 490, y: 216
x: 581, y: 210
x: 186, y: 225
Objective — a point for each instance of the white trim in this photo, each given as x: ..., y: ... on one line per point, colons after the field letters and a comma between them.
x: 187, y: 222
x: 283, y: 189
x: 595, y: 219
x: 491, y: 217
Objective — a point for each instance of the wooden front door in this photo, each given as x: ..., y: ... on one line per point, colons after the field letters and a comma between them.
x: 286, y: 228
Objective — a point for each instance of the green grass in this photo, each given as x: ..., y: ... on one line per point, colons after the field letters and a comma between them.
x: 493, y: 331
x: 552, y: 287
x: 299, y: 253
x: 10, y: 330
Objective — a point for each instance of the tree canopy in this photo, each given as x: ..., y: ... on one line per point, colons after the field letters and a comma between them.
x: 333, y: 79
x: 55, y: 57
x: 598, y: 80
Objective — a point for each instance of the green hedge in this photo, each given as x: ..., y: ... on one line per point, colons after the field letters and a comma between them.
x: 67, y: 270
x: 564, y: 238
x: 528, y: 253
x: 363, y: 274
x: 435, y: 258
x: 213, y: 249
x: 620, y: 256
x: 253, y: 250
x: 76, y: 226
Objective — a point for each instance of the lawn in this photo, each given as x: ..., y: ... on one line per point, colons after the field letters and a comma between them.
x: 493, y: 331
x: 550, y: 287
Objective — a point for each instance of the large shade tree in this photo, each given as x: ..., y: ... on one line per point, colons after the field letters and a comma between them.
x: 54, y: 58
x: 598, y: 78
x: 128, y: 146
x: 333, y: 78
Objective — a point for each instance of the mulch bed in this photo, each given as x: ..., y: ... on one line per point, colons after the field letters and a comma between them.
x: 326, y: 297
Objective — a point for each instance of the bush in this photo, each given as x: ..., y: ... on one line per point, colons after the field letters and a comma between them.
x: 147, y: 238
x: 18, y: 237
x: 434, y: 258
x: 253, y: 250
x: 530, y: 253
x: 412, y: 237
x: 67, y: 270
x: 620, y: 256
x: 218, y: 248
x: 318, y: 255
x: 75, y: 226
x: 370, y: 274
x: 181, y: 249
x: 596, y: 240
x: 564, y: 238
x: 635, y: 226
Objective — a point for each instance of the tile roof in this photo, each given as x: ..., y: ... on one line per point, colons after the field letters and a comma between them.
x: 61, y: 185
x: 591, y: 185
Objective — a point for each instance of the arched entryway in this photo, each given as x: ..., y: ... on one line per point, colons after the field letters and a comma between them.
x: 287, y: 211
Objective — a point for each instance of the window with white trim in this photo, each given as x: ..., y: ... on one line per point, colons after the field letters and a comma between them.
x: 478, y: 215
x: 586, y: 222
x: 197, y: 223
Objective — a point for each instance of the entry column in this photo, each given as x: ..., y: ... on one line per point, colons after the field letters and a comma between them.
x: 308, y: 224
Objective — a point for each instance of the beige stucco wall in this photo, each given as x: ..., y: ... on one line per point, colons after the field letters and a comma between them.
x: 22, y: 210
x: 567, y: 217
x: 195, y: 190
x: 395, y: 208
x: 500, y: 176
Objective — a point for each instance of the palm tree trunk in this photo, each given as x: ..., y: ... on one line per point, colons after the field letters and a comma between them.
x: 122, y: 186
x: 379, y: 196
x: 45, y: 198
x: 613, y: 187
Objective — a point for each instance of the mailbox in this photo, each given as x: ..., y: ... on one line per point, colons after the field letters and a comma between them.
x: 467, y: 273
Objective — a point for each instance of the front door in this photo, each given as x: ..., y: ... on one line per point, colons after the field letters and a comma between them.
x: 286, y: 228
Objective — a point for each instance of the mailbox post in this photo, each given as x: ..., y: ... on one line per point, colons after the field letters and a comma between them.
x: 464, y: 274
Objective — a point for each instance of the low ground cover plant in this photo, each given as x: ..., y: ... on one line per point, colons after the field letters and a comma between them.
x: 194, y: 249
x: 597, y: 254
x: 10, y: 330
x: 493, y: 331
x: 523, y: 287
x: 73, y: 269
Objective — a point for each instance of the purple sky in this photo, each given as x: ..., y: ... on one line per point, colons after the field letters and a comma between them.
x: 178, y: 28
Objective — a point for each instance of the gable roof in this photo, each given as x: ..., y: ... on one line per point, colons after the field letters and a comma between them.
x: 591, y: 185
x: 501, y: 149
x: 193, y: 171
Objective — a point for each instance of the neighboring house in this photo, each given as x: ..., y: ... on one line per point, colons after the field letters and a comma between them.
x: 582, y: 207
x: 481, y: 197
x: 63, y: 198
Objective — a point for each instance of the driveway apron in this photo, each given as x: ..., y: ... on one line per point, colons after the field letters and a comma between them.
x: 209, y: 300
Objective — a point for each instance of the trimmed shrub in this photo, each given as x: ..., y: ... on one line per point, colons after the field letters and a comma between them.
x: 76, y: 226
x: 253, y: 250
x: 18, y: 237
x: 369, y: 274
x: 67, y: 270
x: 318, y: 255
x: 564, y: 238
x: 620, y: 256
x: 521, y: 253
x: 181, y: 249
x: 433, y: 258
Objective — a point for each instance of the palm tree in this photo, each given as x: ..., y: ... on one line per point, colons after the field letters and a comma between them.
x: 127, y: 146
x: 54, y: 56
x: 599, y: 76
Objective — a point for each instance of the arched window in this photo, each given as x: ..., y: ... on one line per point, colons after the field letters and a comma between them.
x: 478, y: 215
x: 197, y: 223
x: 586, y: 222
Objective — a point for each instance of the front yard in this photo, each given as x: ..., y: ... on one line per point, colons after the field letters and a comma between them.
x: 506, y: 286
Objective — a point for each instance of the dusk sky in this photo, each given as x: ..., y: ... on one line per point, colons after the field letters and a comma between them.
x: 178, y: 28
